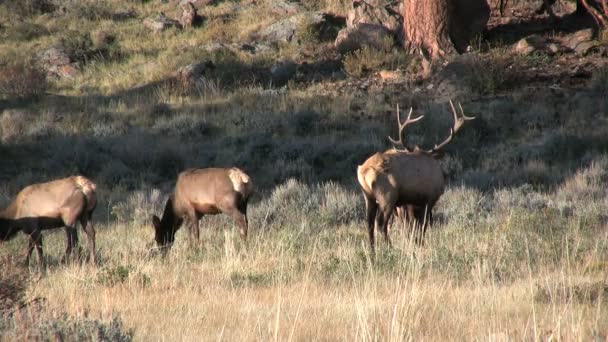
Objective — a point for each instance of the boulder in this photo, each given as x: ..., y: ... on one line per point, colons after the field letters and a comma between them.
x: 354, y: 38
x: 191, y: 74
x: 283, y: 31
x: 127, y: 14
x: 581, y: 42
x: 189, y: 15
x: 161, y: 23
x: 375, y: 12
x: 57, y: 63
x: 283, y: 8
x: 370, y: 23
x: 530, y: 44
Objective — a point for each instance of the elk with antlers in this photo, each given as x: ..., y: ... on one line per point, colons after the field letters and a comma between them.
x: 404, y: 178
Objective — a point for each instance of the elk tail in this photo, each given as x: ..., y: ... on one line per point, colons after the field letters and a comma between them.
x: 88, y: 189
x: 366, y: 178
x: 241, y: 182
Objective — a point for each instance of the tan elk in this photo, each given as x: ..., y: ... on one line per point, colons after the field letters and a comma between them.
x: 201, y: 192
x: 412, y: 179
x: 55, y: 204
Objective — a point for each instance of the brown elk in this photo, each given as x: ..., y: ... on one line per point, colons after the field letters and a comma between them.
x: 55, y: 204
x: 412, y: 179
x: 201, y: 192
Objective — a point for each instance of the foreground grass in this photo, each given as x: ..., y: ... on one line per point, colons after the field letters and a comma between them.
x: 512, y: 263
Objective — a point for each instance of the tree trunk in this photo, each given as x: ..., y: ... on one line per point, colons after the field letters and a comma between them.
x: 598, y: 10
x: 439, y: 27
x: 426, y: 27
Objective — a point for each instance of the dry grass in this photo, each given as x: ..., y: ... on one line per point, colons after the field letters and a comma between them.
x: 496, y: 268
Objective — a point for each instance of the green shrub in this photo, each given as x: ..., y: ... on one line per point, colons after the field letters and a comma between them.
x: 78, y: 45
x: 492, y: 74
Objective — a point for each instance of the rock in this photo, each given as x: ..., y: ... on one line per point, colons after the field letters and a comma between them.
x: 54, y: 56
x: 581, y: 42
x: 370, y: 23
x: 161, y: 23
x: 374, y: 13
x: 191, y: 74
x: 389, y: 75
x: 354, y: 38
x: 283, y: 9
x: 189, y: 16
x: 284, y: 31
x: 124, y: 15
x: 283, y: 72
x: 528, y: 45
x: 56, y: 62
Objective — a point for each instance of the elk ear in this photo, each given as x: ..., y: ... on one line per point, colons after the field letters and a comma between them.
x: 156, y: 222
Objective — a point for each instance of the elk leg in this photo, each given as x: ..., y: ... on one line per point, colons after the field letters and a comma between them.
x: 385, y: 216
x: 35, y: 241
x: 30, y: 246
x: 371, y: 208
x: 72, y: 240
x: 87, y: 225
x: 194, y: 219
x: 240, y: 216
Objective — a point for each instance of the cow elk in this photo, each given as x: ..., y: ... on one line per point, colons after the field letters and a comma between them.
x: 55, y: 204
x: 406, y: 178
x: 201, y: 192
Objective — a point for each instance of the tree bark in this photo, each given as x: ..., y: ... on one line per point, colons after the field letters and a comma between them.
x: 439, y: 27
x: 426, y: 25
x: 597, y: 9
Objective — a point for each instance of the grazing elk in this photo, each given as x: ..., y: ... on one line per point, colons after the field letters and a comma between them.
x: 201, y: 192
x: 59, y: 203
x: 411, y: 179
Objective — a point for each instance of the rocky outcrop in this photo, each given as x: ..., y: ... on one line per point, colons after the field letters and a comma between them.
x: 161, y: 23
x: 189, y: 75
x: 189, y: 15
x: 371, y: 23
x: 580, y: 43
x: 57, y: 63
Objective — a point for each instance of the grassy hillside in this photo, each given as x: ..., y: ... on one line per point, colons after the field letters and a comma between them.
x: 520, y: 249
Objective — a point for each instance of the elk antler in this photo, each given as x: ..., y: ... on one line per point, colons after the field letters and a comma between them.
x: 408, y: 121
x: 458, y: 122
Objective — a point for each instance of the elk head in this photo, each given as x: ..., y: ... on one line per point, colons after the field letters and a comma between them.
x: 435, y: 151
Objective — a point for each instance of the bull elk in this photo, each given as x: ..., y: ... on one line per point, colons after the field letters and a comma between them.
x: 201, y: 192
x: 412, y: 179
x: 55, y: 204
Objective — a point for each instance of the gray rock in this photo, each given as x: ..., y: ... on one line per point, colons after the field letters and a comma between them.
x: 191, y: 74
x: 189, y: 15
x: 161, y: 23
x: 528, y: 45
x: 354, y: 38
x: 56, y: 62
x: 581, y: 42
x: 285, y: 30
